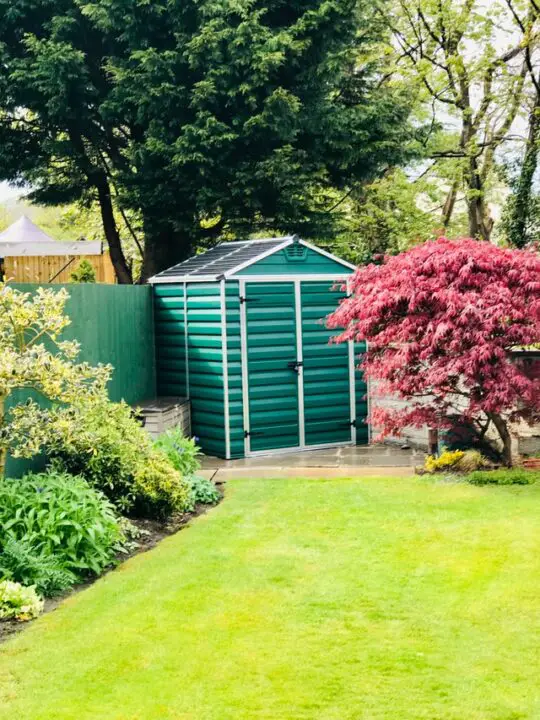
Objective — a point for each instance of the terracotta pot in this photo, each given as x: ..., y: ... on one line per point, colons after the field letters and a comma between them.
x: 531, y: 463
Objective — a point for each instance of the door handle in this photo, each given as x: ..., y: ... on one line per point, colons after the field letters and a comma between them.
x: 295, y: 365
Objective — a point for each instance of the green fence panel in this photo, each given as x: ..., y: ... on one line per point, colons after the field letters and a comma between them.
x: 114, y: 324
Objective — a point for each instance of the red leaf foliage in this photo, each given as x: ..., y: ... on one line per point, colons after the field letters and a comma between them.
x: 440, y: 321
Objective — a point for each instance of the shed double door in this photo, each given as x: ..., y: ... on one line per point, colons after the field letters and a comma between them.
x: 297, y: 387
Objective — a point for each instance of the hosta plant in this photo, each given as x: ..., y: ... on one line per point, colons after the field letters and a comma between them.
x: 18, y: 602
x: 202, y: 491
x: 54, y: 527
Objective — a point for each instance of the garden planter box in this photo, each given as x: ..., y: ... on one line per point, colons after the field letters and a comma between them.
x: 164, y: 413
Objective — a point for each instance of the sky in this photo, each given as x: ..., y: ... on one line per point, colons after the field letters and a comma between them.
x: 7, y: 192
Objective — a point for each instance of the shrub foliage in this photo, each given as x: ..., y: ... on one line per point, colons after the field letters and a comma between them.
x: 103, y: 442
x: 55, y: 529
x: 504, y: 476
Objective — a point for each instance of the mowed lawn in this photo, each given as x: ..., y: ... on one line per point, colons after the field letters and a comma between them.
x: 399, y: 598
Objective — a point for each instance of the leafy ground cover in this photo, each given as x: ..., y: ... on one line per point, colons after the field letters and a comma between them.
x: 405, y: 598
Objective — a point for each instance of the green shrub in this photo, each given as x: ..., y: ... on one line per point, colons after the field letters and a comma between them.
x: 202, y: 491
x: 503, y: 476
x: 159, y: 489
x: 85, y: 272
x: 470, y: 461
x: 18, y: 602
x: 53, y: 526
x: 22, y: 563
x: 104, y: 443
x: 183, y: 452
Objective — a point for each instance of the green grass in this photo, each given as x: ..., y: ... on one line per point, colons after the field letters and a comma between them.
x: 402, y: 599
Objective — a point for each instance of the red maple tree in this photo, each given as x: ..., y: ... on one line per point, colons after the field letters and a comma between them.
x: 443, y: 322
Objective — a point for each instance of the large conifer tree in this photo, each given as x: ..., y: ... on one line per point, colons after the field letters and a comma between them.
x: 207, y: 117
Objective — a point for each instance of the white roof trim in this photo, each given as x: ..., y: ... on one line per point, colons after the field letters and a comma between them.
x: 251, y: 242
x: 174, y: 279
x: 328, y: 255
x: 307, y: 277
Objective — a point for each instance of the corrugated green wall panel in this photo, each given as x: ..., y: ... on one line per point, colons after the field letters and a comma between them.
x: 279, y: 264
x: 114, y: 324
x: 170, y: 340
x: 204, y: 369
x: 205, y: 354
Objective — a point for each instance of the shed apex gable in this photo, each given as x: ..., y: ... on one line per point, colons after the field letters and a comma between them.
x: 228, y: 258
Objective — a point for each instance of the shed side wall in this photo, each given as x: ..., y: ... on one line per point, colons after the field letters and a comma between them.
x: 205, y: 357
x: 170, y: 340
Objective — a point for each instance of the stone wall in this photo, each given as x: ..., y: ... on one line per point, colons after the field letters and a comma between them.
x: 526, y: 438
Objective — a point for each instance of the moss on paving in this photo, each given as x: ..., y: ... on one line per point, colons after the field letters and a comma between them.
x: 392, y: 598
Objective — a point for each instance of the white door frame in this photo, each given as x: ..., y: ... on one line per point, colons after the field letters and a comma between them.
x: 300, y: 360
x: 301, y: 447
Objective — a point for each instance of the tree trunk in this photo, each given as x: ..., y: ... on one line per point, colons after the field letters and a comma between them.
x: 480, y: 222
x: 520, y: 207
x: 97, y: 177
x: 121, y: 268
x: 163, y: 248
x: 450, y: 203
x: 502, y: 428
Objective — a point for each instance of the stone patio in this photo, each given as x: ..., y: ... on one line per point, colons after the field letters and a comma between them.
x: 357, y: 461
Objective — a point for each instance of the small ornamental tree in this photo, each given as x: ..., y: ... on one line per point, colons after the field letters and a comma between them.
x: 441, y: 321
x: 84, y: 273
x: 33, y: 357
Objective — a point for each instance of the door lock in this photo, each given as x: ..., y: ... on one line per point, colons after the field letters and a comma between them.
x: 295, y: 365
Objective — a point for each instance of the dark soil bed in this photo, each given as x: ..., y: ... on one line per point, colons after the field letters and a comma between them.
x: 152, y: 533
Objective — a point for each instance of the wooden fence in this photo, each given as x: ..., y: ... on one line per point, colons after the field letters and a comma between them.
x: 56, y: 268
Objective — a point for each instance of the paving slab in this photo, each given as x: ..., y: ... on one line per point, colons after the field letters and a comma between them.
x: 322, y: 473
x: 361, y: 461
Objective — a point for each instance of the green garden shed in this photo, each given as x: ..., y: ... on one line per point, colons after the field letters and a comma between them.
x: 240, y: 331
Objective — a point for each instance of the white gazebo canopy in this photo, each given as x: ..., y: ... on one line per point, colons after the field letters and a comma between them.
x: 25, y: 238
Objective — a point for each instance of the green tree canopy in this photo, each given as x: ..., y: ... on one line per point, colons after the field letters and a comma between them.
x: 207, y: 118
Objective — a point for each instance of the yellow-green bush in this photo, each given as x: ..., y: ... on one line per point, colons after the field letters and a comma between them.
x: 105, y: 444
x: 472, y: 460
x: 159, y: 489
x: 464, y: 461
x: 447, y: 460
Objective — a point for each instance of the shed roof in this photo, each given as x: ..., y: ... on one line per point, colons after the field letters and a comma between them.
x: 228, y: 258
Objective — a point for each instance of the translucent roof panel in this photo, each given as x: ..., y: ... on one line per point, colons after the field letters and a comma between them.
x: 222, y: 258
